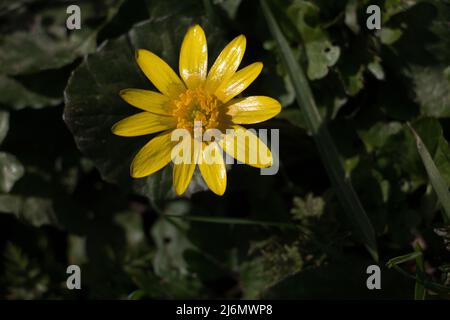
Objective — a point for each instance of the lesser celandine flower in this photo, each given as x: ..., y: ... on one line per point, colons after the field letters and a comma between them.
x: 198, y: 97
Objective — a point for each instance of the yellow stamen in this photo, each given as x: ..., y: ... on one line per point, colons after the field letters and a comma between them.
x: 197, y: 105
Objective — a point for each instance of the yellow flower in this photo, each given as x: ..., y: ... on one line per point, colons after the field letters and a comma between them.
x: 197, y: 96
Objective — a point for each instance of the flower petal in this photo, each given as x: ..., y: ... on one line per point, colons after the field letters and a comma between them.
x: 226, y: 64
x: 147, y: 100
x: 246, y: 147
x: 253, y: 109
x: 194, y: 57
x: 182, y: 172
x: 159, y: 73
x: 212, y: 168
x: 153, y: 156
x: 143, y: 123
x: 238, y: 82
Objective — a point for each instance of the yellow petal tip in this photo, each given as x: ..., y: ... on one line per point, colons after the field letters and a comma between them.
x: 196, y: 27
x: 113, y: 129
x: 179, y: 192
x: 123, y: 92
x: 267, y: 165
x: 243, y: 39
x: 179, y: 188
x: 139, y: 54
x: 219, y: 193
x: 133, y: 173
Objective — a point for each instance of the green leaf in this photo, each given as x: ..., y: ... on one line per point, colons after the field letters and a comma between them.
x: 354, y: 82
x: 16, y: 96
x: 11, y: 170
x: 47, y: 44
x: 398, y: 148
x: 376, y: 68
x: 353, y: 65
x: 4, y: 125
x: 310, y: 207
x: 377, y: 135
x: 36, y: 211
x: 231, y: 7
x: 329, y: 154
x: 432, y: 88
x: 442, y: 159
x: 10, y: 5
x: 270, y: 263
x: 178, y: 287
x: 436, y: 179
x: 293, y: 115
x: 171, y: 243
x: 351, y: 17
x: 394, y: 7
x: 389, y: 36
x: 136, y: 295
x: 174, y: 8
x: 320, y: 52
x: 23, y: 278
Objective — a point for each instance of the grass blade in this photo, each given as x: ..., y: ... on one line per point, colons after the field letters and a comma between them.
x: 436, y: 179
x: 327, y: 149
x: 419, y: 290
x: 235, y: 221
x: 402, y: 259
x: 420, y: 278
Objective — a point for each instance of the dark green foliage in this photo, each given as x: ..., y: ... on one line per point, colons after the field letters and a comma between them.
x: 66, y: 196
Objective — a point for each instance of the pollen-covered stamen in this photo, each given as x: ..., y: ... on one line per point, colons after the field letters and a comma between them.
x: 197, y: 105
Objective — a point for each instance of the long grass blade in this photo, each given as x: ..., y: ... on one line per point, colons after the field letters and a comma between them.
x: 402, y: 259
x: 436, y: 179
x: 327, y: 149
x: 235, y: 221
x: 420, y: 292
x: 422, y: 284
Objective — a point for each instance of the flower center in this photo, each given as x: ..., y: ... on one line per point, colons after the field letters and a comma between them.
x: 197, y: 106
